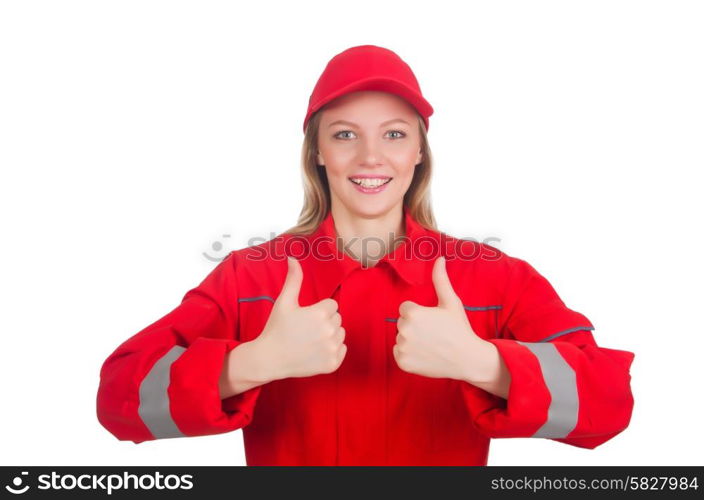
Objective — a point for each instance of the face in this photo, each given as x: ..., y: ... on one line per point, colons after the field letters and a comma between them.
x: 374, y: 136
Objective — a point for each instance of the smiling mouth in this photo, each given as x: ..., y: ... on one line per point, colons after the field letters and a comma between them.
x: 370, y: 183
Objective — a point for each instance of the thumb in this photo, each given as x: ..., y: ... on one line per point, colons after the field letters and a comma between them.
x: 443, y: 288
x: 292, y: 286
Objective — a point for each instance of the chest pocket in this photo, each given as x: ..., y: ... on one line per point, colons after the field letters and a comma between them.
x: 253, y: 314
x: 289, y: 410
x: 484, y: 319
x: 438, y: 403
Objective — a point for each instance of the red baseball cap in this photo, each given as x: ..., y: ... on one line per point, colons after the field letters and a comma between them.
x: 367, y: 67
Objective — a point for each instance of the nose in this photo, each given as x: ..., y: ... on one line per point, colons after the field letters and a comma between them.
x: 371, y: 151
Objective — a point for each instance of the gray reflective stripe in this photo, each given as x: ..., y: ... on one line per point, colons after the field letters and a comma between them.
x: 252, y: 299
x: 154, y: 397
x: 564, y: 332
x: 469, y: 308
x: 481, y: 308
x: 561, y: 381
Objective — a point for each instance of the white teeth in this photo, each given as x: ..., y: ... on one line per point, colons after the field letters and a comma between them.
x: 370, y: 183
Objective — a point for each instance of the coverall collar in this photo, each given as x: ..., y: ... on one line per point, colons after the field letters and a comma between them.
x: 405, y: 260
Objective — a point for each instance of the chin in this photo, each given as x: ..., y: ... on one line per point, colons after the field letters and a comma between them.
x: 372, y: 209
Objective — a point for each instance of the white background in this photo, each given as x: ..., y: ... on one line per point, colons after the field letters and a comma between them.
x: 135, y: 134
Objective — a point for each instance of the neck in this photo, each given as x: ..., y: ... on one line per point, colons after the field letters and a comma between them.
x: 368, y: 239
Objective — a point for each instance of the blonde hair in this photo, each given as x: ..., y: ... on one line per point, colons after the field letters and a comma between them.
x: 316, y: 203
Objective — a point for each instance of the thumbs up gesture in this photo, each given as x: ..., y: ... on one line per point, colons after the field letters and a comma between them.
x: 302, y: 341
x: 438, y: 341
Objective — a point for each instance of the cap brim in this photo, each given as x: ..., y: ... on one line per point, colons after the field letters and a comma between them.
x: 384, y: 85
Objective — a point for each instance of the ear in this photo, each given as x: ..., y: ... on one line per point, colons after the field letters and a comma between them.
x: 319, y: 159
x: 419, y: 158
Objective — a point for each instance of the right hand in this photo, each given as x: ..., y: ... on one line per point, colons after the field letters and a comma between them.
x: 302, y: 341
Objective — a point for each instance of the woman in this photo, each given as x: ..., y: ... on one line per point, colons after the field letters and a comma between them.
x: 364, y: 336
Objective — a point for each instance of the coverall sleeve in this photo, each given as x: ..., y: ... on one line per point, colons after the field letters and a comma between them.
x: 163, y: 382
x: 563, y: 385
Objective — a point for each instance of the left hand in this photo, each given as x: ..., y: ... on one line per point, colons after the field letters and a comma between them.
x: 438, y: 341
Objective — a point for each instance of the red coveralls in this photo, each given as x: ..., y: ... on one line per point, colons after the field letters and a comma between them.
x: 163, y: 381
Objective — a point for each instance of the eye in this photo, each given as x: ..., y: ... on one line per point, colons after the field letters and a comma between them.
x: 397, y: 132
x: 342, y: 132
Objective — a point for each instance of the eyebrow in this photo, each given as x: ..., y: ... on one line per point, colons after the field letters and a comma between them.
x: 344, y: 122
